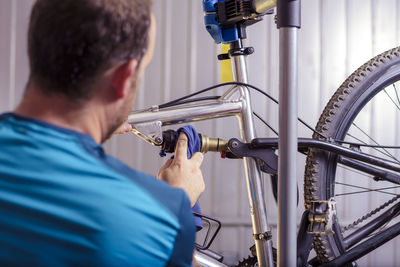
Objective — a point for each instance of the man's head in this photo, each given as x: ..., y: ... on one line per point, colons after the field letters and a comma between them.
x: 74, y: 44
x: 70, y: 41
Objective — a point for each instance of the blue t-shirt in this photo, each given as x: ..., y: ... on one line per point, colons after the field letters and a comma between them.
x: 65, y: 202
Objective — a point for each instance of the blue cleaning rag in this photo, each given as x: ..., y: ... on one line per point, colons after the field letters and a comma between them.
x: 194, y: 145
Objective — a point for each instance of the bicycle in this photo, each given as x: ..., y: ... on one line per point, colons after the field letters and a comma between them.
x: 336, y: 143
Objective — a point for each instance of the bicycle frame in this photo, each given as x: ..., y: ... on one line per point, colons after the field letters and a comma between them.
x: 235, y: 102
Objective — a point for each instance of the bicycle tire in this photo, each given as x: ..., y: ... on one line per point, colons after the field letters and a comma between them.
x: 353, y: 97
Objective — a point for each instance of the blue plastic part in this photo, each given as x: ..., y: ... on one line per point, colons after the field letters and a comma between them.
x: 209, y: 5
x: 230, y: 35
x: 213, y: 27
x: 219, y: 35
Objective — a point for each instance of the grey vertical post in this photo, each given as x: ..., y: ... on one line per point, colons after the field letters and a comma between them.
x: 288, y: 13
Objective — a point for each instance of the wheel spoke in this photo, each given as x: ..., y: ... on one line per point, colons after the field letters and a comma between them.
x: 391, y: 99
x: 355, y: 171
x: 397, y: 95
x: 386, y: 152
x: 366, y: 190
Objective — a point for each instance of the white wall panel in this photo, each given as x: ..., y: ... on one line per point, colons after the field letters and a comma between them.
x: 333, y: 48
x: 23, y: 8
x: 7, y: 53
x: 359, y: 33
x: 309, y: 60
x: 336, y: 37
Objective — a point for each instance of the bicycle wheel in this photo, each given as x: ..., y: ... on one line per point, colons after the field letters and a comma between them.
x: 365, y: 109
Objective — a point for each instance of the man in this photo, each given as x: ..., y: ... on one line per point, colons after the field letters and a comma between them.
x: 63, y: 200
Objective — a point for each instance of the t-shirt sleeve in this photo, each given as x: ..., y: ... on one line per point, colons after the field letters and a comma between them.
x: 182, y: 253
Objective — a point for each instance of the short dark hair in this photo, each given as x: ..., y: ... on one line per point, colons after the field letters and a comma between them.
x: 72, y: 41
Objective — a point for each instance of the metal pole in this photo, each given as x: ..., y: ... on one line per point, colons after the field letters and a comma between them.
x: 287, y: 148
x: 253, y: 172
x: 288, y: 24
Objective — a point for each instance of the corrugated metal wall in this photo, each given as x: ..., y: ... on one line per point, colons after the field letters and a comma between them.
x: 336, y: 37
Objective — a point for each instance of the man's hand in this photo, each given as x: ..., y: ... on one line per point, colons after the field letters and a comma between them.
x: 181, y: 172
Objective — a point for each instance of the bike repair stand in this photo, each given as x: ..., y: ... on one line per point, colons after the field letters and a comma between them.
x: 288, y: 23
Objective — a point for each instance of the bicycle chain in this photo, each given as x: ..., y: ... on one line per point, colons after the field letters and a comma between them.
x: 368, y: 215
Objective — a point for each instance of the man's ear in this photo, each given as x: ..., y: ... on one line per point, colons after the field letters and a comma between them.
x: 122, y: 78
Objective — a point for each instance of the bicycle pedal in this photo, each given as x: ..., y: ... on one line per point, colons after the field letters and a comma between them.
x: 321, y: 217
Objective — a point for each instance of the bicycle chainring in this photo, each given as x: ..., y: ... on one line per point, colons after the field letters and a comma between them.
x: 251, y: 261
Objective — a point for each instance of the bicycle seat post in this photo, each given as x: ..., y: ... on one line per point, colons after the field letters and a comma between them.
x: 261, y: 231
x: 237, y: 54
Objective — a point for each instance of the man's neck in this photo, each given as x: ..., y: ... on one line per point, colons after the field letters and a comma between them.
x: 59, y: 111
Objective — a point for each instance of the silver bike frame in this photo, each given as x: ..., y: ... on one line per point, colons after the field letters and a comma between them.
x: 235, y: 102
